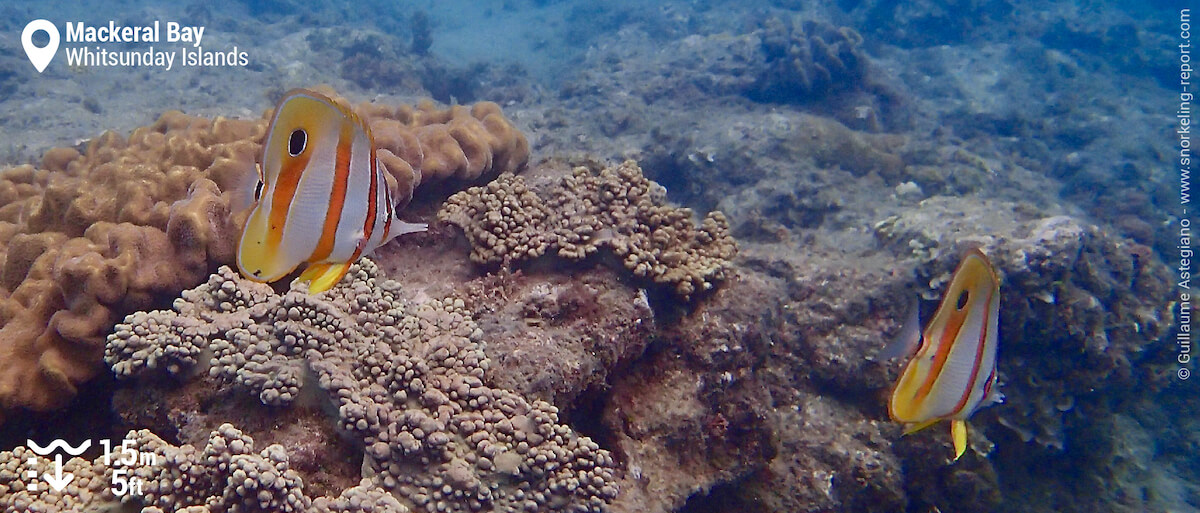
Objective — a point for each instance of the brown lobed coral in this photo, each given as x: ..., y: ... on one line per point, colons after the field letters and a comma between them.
x: 89, y: 237
x: 424, y: 144
x: 615, y: 208
x: 406, y: 383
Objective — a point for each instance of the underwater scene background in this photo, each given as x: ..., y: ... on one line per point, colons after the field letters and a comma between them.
x: 666, y: 244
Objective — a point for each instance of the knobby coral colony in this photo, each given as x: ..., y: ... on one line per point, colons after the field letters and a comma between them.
x: 89, y: 237
x: 615, y: 209
x: 406, y: 381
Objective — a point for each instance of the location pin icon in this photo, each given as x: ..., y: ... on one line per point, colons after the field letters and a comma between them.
x: 40, y: 57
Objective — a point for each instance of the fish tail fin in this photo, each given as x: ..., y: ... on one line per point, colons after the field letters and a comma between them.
x: 958, y: 430
x: 399, y: 228
x: 403, y: 227
x: 991, y: 391
x: 322, y: 277
x: 913, y: 428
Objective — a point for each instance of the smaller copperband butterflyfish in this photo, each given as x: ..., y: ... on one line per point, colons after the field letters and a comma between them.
x: 952, y: 373
x: 321, y: 198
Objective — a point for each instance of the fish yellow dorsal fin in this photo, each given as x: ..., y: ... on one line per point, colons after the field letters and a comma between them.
x: 958, y: 430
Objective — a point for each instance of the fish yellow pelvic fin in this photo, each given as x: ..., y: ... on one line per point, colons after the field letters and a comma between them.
x: 958, y: 430
x: 322, y: 277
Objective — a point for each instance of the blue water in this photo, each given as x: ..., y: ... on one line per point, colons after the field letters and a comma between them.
x: 1048, y: 107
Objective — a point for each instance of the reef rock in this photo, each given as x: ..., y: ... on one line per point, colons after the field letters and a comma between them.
x: 1083, y: 316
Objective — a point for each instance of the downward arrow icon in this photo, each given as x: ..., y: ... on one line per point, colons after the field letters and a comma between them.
x: 58, y: 481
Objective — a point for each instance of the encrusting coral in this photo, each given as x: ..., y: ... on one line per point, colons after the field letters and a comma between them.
x: 407, y: 383
x: 615, y: 208
x: 89, y: 237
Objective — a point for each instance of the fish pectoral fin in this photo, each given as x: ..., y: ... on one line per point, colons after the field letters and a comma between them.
x: 913, y: 428
x: 322, y: 277
x: 958, y: 430
x: 905, y: 342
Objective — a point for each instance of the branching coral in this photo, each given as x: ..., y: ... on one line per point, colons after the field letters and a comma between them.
x: 808, y: 60
x: 89, y: 237
x: 407, y: 382
x: 615, y: 208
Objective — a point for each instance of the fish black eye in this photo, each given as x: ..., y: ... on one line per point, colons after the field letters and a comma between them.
x: 962, y: 300
x: 258, y: 190
x: 297, y: 142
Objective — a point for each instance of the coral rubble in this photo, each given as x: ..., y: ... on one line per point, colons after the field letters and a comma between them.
x: 89, y: 237
x: 616, y: 209
x: 406, y: 381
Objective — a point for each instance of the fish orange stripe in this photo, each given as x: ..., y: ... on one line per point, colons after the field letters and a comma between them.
x: 945, y: 344
x: 962, y: 401
x: 369, y: 224
x: 281, y: 201
x: 389, y: 210
x: 337, y: 195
